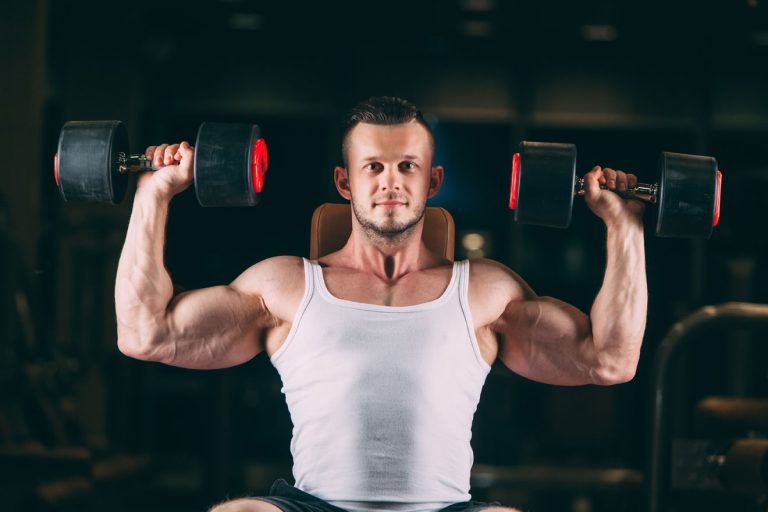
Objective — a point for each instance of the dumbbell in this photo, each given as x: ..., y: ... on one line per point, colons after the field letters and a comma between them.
x: 93, y: 163
x: 687, y: 195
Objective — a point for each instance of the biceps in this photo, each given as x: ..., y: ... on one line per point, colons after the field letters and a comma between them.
x: 540, y: 336
x: 558, y: 322
x: 215, y: 310
x: 215, y: 327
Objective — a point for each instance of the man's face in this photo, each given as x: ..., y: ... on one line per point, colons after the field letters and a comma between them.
x: 389, y: 177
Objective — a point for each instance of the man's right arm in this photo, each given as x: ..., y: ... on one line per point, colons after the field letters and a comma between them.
x: 213, y: 327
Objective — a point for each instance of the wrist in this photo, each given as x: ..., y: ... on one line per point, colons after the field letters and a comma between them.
x: 625, y: 224
x: 153, y: 195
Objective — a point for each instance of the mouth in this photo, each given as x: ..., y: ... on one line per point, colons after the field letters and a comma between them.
x: 390, y: 204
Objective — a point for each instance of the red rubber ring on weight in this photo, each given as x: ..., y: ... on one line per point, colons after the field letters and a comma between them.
x: 717, y: 198
x: 259, y: 164
x: 514, y: 185
x: 56, y: 168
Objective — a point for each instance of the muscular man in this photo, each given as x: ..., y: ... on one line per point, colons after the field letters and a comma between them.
x: 383, y: 347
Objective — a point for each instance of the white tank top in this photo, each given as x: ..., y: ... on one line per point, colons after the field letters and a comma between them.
x: 382, y: 397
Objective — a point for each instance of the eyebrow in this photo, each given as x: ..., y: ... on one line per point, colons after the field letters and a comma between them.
x: 406, y: 157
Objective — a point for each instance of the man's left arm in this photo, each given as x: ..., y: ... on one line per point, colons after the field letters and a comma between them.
x: 547, y: 340
x: 619, y: 312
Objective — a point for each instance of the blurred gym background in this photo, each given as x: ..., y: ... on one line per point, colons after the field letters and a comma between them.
x: 83, y: 427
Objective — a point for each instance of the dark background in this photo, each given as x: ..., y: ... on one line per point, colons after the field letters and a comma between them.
x: 623, y: 80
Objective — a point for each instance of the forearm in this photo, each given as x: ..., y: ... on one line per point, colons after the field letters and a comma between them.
x: 618, y: 315
x: 143, y: 288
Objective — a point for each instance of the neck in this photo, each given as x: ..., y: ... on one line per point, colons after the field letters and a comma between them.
x: 388, y: 259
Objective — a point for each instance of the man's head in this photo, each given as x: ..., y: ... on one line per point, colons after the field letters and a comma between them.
x: 382, y: 111
x: 387, y: 176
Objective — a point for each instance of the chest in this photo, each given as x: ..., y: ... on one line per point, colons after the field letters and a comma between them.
x: 410, y: 290
x: 413, y: 289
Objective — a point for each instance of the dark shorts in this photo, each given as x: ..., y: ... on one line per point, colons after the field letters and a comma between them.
x: 290, y: 499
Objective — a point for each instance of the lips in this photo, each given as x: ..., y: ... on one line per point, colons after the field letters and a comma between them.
x: 390, y: 203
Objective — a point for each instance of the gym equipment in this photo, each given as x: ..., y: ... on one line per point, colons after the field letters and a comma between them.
x: 734, y: 465
x: 687, y: 194
x: 739, y: 465
x: 332, y: 224
x: 93, y: 163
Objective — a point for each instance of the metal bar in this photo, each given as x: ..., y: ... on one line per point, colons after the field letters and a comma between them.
x: 134, y: 163
x: 680, y: 335
x: 642, y: 191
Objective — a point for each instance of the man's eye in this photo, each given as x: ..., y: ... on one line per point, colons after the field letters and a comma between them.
x: 373, y: 166
x: 407, y: 166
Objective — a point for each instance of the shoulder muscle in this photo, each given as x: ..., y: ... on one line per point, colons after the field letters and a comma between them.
x: 279, y: 281
x: 492, y: 287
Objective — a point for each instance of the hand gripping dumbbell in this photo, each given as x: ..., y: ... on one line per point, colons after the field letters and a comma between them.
x: 687, y: 195
x: 93, y: 163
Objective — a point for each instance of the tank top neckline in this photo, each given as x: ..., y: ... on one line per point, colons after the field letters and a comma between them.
x: 320, y: 278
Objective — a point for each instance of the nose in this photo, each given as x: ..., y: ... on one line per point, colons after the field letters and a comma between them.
x: 389, y: 179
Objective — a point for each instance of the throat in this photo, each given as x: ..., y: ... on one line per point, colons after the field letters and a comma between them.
x: 389, y: 267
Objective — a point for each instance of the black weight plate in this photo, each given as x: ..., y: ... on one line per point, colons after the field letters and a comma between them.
x: 223, y: 156
x: 88, y: 161
x: 687, y: 195
x: 546, y: 184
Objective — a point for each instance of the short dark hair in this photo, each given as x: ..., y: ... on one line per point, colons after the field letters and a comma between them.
x: 382, y: 110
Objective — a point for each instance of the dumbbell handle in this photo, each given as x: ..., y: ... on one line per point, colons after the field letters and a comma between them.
x: 134, y: 163
x: 642, y: 191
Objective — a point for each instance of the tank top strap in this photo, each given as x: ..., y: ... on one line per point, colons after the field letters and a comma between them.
x: 463, y: 292
x: 309, y: 290
x: 309, y: 278
x: 463, y: 281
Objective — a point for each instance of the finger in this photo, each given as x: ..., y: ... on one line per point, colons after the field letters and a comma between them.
x: 621, y: 181
x: 157, y: 160
x: 150, y: 152
x: 631, y: 181
x: 184, y: 149
x: 600, y: 174
x: 185, y: 152
x: 592, y: 182
x: 597, y: 174
x: 596, y: 171
x: 610, y: 178
x: 170, y: 151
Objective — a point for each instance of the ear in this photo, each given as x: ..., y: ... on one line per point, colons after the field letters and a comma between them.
x: 341, y: 179
x: 435, y: 181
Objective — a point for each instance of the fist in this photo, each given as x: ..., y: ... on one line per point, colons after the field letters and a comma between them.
x: 174, y: 169
x: 605, y: 202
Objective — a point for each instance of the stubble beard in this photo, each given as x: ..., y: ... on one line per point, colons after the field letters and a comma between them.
x: 390, y: 231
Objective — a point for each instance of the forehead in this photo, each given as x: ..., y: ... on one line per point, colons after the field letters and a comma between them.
x: 367, y: 139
